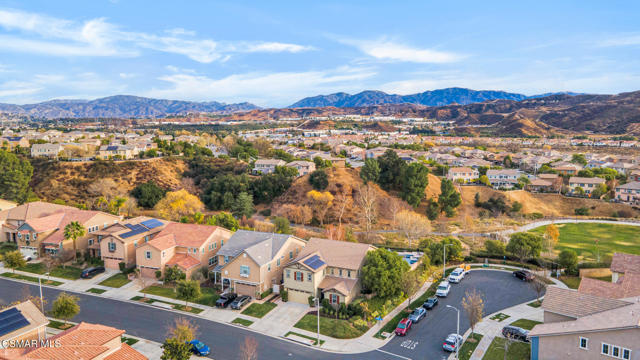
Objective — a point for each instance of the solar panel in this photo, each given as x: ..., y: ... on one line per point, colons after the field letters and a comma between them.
x: 314, y: 262
x: 11, y: 320
x: 135, y: 230
x: 152, y: 223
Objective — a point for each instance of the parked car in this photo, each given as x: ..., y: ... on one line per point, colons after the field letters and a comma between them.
x: 443, y: 289
x: 516, y: 333
x: 523, y: 275
x: 199, y: 348
x: 417, y: 315
x: 456, y: 275
x: 403, y: 327
x: 452, y: 342
x: 225, y: 300
x: 88, y: 273
x: 240, y: 301
x: 430, y: 303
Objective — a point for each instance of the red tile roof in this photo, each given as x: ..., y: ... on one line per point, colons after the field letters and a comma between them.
x: 191, y: 235
x: 184, y: 261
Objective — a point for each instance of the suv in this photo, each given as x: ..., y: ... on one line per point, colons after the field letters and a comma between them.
x: 456, y: 275
x: 91, y: 272
x: 523, y: 275
x: 443, y: 289
x: 225, y: 300
x: 516, y: 333
x: 452, y: 342
x: 240, y: 301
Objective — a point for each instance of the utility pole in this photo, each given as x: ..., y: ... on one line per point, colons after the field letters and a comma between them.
x: 457, y: 329
x: 317, y: 300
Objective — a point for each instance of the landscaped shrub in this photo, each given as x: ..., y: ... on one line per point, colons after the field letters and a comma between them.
x: 266, y: 293
x: 581, y: 211
x: 158, y: 274
x: 311, y: 302
x: 122, y: 266
x: 284, y: 294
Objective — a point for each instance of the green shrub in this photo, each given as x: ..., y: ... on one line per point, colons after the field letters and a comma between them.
x: 310, y: 300
x: 284, y: 294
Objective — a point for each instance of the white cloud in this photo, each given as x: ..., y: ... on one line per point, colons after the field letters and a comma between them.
x: 41, y: 34
x: 385, y: 49
x: 11, y: 89
x: 632, y: 39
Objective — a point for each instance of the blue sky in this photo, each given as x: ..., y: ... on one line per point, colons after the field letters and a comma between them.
x: 273, y: 53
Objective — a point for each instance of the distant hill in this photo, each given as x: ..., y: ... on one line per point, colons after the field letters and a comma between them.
x: 121, y: 106
x: 428, y: 98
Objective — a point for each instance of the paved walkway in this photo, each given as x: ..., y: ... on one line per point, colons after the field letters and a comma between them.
x: 280, y: 320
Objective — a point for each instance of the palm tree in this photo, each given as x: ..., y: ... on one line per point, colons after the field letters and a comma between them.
x: 73, y: 231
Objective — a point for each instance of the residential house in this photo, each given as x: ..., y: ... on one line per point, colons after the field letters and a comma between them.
x: 303, y: 167
x: 252, y: 262
x: 627, y: 287
x: 506, y: 178
x: 117, y: 151
x: 84, y: 341
x: 326, y: 269
x: 46, y: 150
x: 586, y: 184
x: 188, y: 246
x: 634, y: 175
x: 462, y: 174
x: 629, y: 193
x: 545, y: 183
x: 11, y: 142
x: 567, y: 168
x: 622, y: 264
x: 118, y: 243
x: 583, y: 326
x: 6, y: 205
x: 267, y: 166
x: 29, y: 323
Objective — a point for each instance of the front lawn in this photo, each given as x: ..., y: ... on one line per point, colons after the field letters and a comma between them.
x: 335, y: 328
x: 259, y: 310
x: 499, y: 317
x: 525, y: 323
x: 517, y: 350
x: 129, y: 341
x: 573, y: 282
x: 68, y: 272
x: 116, y: 281
x: 59, y: 325
x: 315, y: 340
x: 208, y: 297
x: 175, y: 306
x: 96, y: 291
x: 241, y: 321
x: 535, y: 304
x: 30, y: 278
x: 469, y: 346
x: 611, y: 238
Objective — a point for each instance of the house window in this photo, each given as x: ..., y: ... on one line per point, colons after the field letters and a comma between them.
x: 309, y: 277
x: 35, y: 236
x: 605, y: 349
x: 90, y: 242
x: 269, y: 267
x: 288, y: 274
x: 290, y: 255
x: 226, y: 259
x: 584, y: 343
x: 222, y: 242
x: 112, y: 246
x: 298, y: 275
x: 340, y: 272
x: 349, y: 273
x: 244, y: 271
x: 334, y: 299
x: 146, y: 238
x: 212, y: 261
x: 135, y: 244
x: 626, y: 354
x: 148, y: 254
x: 215, y: 245
x: 99, y: 238
x: 278, y: 262
x: 615, y: 351
x: 163, y: 254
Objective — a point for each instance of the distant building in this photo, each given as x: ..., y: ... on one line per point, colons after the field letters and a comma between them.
x: 462, y: 174
x: 629, y: 193
x: 586, y: 184
x: 267, y: 166
x: 117, y: 151
x: 46, y: 150
x: 506, y: 178
x: 303, y: 167
x: 14, y: 141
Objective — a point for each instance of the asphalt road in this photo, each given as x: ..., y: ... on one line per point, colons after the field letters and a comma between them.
x: 501, y: 290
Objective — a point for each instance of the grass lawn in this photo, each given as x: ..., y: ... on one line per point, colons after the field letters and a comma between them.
x: 116, y: 281
x: 517, y: 350
x: 525, y: 323
x: 499, y: 317
x: 208, y: 297
x: 336, y: 328
x: 571, y: 281
x: 68, y: 272
x: 30, y: 278
x: 612, y: 237
x: 315, y: 340
x: 469, y: 346
x: 181, y: 307
x: 96, y: 291
x: 535, y: 304
x: 59, y: 325
x: 129, y: 341
x: 241, y: 321
x: 259, y: 310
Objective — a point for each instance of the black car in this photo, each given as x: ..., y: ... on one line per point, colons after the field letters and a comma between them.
x: 430, y: 303
x: 523, y: 275
x: 240, y: 301
x: 515, y: 333
x: 88, y: 273
x: 225, y: 300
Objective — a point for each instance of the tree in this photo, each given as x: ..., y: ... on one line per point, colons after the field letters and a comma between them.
x: 49, y: 263
x: 551, y: 236
x: 370, y: 171
x: 449, y: 198
x: 436, y: 250
x: 14, y: 260
x: 142, y: 282
x: 173, y: 274
x: 433, y: 209
x: 516, y: 207
x: 73, y: 231
x: 473, y: 305
x: 579, y: 159
x: 484, y: 179
x: 65, y: 307
x: 342, y: 201
x: 148, y: 194
x: 414, y: 180
x: 494, y: 247
x: 367, y: 202
x: 105, y: 187
x: 383, y: 271
x: 282, y: 225
x: 188, y: 290
x: 319, y: 179
x: 539, y: 287
x: 523, y: 181
x: 225, y: 220
x: 15, y: 175
x: 525, y: 245
x: 182, y: 330
x: 320, y: 203
x: 411, y: 283
x: 173, y: 349
x: 130, y: 207
x: 177, y: 204
x: 249, y: 350
x: 243, y: 206
x: 391, y: 170
x: 412, y: 225
x: 568, y: 259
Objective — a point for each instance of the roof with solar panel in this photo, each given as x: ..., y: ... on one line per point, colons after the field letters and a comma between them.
x: 314, y: 262
x: 20, y: 319
x: 139, y: 225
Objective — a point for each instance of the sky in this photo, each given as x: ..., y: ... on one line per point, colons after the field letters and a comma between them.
x: 273, y: 53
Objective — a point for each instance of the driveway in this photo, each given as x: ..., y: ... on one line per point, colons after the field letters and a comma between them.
x: 280, y: 320
x: 424, y: 341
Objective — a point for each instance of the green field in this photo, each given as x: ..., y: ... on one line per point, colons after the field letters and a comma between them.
x: 611, y: 238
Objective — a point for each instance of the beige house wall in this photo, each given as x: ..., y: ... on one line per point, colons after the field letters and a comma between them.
x: 567, y: 346
x: 305, y: 287
x: 550, y: 317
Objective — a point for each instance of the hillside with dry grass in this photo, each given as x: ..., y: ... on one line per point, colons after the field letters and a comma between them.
x: 70, y: 181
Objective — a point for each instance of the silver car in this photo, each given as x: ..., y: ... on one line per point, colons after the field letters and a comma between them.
x: 450, y: 344
x: 417, y: 315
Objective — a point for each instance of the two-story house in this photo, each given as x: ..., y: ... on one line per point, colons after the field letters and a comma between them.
x: 117, y: 151
x: 252, y: 262
x: 187, y: 246
x: 267, y: 166
x: 46, y: 150
x: 462, y: 174
x: 505, y: 178
x: 118, y: 243
x: 586, y: 184
x: 303, y: 167
x: 629, y: 193
x: 326, y: 269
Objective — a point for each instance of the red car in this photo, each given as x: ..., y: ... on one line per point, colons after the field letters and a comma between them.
x: 403, y: 327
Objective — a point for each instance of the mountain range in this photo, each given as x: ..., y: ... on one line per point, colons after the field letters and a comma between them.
x: 121, y: 106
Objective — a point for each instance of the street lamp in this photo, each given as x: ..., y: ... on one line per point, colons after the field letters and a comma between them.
x: 457, y: 328
x: 316, y: 300
x: 444, y: 259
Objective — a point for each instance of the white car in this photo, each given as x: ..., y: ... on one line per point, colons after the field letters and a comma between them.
x: 443, y: 289
x: 456, y: 276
